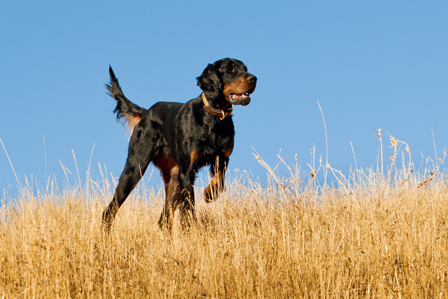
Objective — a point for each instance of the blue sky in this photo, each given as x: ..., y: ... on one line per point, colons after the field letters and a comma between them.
x: 370, y: 64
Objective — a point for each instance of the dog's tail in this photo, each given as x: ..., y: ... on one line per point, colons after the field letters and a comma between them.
x: 127, y: 112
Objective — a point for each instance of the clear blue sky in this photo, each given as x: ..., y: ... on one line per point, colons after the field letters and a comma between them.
x: 370, y: 64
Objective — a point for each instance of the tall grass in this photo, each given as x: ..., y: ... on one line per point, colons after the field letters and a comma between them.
x: 374, y: 233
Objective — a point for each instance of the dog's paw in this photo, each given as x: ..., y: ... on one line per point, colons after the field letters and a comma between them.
x: 210, y: 196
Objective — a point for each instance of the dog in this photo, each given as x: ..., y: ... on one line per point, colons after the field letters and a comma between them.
x: 179, y: 139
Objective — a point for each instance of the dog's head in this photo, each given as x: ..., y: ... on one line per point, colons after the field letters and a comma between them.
x: 228, y: 78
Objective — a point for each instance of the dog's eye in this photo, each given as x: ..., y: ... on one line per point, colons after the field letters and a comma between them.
x: 231, y: 68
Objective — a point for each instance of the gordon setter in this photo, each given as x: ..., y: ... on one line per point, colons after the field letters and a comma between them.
x: 182, y: 138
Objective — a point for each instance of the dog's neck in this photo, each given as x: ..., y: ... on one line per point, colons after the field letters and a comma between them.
x: 222, y: 113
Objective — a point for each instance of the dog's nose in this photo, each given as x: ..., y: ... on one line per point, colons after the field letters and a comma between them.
x: 252, y: 79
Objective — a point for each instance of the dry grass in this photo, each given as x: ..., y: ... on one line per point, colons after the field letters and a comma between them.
x: 371, y: 236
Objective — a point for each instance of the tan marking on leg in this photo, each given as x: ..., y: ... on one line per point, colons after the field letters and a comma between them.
x: 167, y: 186
x: 227, y: 152
x: 172, y: 197
x: 174, y: 171
x: 193, y: 157
x: 215, y: 187
x: 165, y: 164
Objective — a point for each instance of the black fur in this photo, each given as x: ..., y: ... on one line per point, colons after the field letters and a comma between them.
x: 124, y: 106
x: 181, y: 138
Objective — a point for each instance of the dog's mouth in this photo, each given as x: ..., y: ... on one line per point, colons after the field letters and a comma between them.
x: 239, y: 99
x: 238, y: 92
x: 242, y: 99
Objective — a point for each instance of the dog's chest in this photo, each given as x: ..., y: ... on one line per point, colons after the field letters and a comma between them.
x: 213, y: 144
x: 221, y: 136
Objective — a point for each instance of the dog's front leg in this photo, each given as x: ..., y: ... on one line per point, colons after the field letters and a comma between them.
x: 216, y: 185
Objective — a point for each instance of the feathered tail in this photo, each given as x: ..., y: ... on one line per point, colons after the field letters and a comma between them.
x: 127, y: 112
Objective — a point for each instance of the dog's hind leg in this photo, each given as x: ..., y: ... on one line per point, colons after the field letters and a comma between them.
x: 172, y: 200
x: 139, y: 156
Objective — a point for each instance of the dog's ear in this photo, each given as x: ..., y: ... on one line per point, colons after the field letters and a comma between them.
x: 209, y: 81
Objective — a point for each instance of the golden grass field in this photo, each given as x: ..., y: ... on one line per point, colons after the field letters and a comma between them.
x: 370, y: 235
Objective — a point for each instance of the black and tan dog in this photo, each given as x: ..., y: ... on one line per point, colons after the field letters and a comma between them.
x: 181, y: 138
